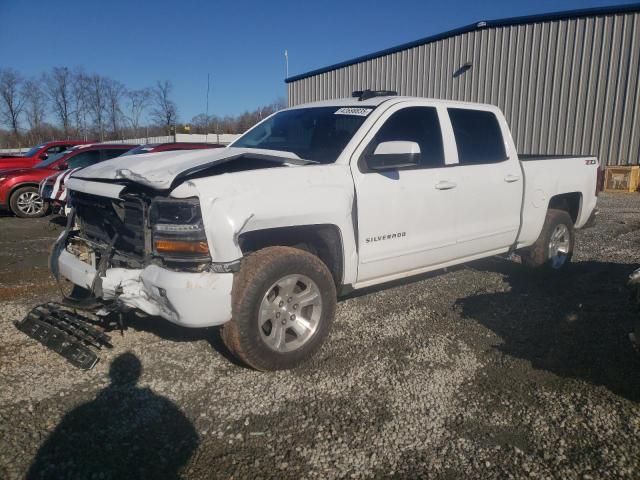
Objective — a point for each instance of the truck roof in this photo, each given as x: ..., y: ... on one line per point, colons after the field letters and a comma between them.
x: 375, y: 101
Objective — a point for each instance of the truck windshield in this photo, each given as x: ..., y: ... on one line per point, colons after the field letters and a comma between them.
x: 319, y: 134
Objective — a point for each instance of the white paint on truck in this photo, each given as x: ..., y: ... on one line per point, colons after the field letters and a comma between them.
x: 392, y: 223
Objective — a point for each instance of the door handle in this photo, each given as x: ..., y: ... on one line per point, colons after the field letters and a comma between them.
x: 511, y: 178
x: 445, y: 185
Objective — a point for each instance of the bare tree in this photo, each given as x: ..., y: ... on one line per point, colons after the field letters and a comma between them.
x: 137, y: 102
x: 201, y: 123
x: 114, y: 91
x: 12, y: 101
x: 35, y: 107
x: 239, y: 123
x: 97, y: 88
x: 58, y: 87
x: 80, y: 99
x: 165, y: 112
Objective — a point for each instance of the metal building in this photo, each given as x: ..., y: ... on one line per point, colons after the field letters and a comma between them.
x: 568, y: 82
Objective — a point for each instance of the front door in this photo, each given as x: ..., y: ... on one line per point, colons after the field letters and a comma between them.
x: 406, y: 216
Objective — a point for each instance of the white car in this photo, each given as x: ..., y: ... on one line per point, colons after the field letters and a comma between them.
x: 316, y: 200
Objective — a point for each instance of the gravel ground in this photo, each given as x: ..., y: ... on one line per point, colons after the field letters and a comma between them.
x: 484, y: 371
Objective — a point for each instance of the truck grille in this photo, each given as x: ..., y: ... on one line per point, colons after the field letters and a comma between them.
x: 100, y: 218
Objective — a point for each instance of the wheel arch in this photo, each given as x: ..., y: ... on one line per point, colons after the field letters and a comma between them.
x: 19, y: 186
x: 323, y: 240
x: 569, y: 202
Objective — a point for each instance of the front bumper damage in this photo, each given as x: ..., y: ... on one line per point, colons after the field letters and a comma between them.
x: 188, y: 299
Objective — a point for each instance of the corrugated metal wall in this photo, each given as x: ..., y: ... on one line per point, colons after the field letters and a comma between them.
x: 566, y: 86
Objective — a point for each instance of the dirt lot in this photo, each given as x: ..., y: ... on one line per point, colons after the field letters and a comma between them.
x: 485, y: 371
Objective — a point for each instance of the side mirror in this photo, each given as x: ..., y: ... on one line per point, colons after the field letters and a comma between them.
x: 44, y: 156
x: 393, y: 155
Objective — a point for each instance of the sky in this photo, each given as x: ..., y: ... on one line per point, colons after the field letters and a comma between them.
x: 239, y: 43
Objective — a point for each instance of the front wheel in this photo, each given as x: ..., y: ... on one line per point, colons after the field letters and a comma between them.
x: 554, y: 247
x: 283, y: 304
x: 26, y: 202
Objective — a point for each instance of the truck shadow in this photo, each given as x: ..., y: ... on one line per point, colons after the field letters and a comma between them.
x: 168, y: 331
x: 573, y: 324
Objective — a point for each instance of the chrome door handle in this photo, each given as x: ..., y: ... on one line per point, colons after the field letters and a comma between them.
x: 511, y: 178
x: 445, y: 185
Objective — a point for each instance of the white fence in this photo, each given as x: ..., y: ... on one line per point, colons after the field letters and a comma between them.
x: 223, y: 138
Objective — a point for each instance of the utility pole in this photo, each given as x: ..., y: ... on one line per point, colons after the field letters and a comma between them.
x: 286, y: 64
x: 206, y: 132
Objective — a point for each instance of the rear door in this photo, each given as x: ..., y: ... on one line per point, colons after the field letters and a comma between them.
x: 405, y: 221
x: 488, y: 182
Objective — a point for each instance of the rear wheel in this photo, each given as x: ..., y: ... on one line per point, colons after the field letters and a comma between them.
x: 554, y: 247
x: 26, y: 202
x: 284, y: 301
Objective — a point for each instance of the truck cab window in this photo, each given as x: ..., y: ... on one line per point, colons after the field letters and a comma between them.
x: 415, y: 124
x: 478, y: 136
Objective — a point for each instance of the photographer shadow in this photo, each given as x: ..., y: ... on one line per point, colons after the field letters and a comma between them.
x: 574, y: 324
x: 126, y: 432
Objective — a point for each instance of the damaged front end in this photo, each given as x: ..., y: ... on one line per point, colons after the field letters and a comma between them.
x: 145, y: 252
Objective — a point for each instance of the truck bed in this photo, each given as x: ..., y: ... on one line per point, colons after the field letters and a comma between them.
x: 570, y: 175
x: 525, y: 157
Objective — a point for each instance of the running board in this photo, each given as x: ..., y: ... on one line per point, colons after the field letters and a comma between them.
x: 76, y: 337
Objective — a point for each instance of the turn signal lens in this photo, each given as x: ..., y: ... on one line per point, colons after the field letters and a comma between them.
x: 178, y: 246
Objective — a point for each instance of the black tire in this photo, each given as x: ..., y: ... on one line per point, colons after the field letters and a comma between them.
x: 259, y: 273
x: 538, y: 254
x: 21, y: 210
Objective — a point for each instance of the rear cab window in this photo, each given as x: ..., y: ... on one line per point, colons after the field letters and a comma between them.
x: 478, y: 136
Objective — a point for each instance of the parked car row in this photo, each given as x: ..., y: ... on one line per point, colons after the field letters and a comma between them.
x: 37, y: 154
x: 32, y: 183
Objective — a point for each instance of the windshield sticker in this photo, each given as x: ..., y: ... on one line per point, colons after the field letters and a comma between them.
x: 359, y: 111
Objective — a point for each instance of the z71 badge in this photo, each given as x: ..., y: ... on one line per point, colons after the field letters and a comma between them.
x: 388, y: 236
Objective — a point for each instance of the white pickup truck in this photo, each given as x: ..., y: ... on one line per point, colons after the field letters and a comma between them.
x: 315, y: 200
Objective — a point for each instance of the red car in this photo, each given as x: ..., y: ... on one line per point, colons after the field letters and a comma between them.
x: 37, y: 154
x: 52, y: 189
x: 19, y: 186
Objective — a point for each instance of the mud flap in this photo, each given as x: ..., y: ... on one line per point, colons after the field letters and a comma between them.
x: 74, y: 336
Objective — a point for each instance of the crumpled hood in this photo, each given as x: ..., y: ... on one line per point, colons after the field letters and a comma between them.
x: 160, y: 170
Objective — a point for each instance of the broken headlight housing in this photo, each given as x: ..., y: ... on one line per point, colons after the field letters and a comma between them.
x: 177, y: 230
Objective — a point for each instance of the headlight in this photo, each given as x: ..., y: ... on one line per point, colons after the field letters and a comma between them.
x: 178, y: 231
